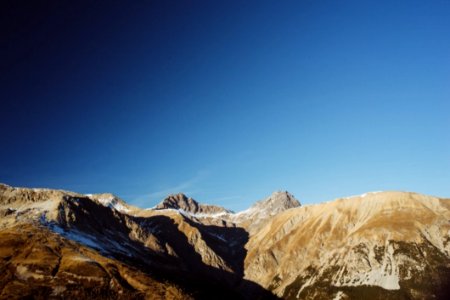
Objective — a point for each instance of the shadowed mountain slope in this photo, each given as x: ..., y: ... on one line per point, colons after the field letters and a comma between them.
x: 174, y: 256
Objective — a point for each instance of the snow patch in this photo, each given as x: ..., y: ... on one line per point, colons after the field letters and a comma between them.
x: 191, y: 215
x: 245, y: 212
x: 219, y: 236
x: 120, y: 207
x: 360, y: 196
x: 103, y: 245
x: 76, y: 236
x: 112, y: 202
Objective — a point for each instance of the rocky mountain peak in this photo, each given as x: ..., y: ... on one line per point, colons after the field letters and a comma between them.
x: 259, y: 213
x: 277, y: 202
x: 178, y: 201
x: 182, y: 202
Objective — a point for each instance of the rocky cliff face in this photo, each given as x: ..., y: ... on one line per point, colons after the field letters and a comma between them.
x: 391, y: 245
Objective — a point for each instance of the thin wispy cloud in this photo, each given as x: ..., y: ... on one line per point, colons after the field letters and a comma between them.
x: 228, y: 198
x: 189, y: 186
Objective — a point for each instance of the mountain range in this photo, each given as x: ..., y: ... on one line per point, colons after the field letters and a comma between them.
x: 380, y: 245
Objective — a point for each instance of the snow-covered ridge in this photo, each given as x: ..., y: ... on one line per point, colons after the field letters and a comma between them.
x: 193, y: 215
x: 111, y: 202
x: 362, y: 195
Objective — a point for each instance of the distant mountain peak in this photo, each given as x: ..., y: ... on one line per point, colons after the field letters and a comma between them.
x: 277, y: 202
x: 181, y: 202
x: 262, y: 211
x: 178, y: 201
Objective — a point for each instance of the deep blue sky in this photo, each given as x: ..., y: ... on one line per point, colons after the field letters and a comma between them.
x: 226, y: 101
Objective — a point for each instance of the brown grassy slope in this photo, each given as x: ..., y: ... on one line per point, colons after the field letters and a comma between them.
x: 39, y: 264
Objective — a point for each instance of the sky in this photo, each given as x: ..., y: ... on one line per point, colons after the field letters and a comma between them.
x: 226, y: 101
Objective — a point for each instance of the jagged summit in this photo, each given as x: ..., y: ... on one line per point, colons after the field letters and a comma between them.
x: 257, y: 215
x: 277, y: 202
x: 187, y: 204
x: 178, y: 201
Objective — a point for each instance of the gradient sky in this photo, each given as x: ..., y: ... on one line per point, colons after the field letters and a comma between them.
x: 226, y: 101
